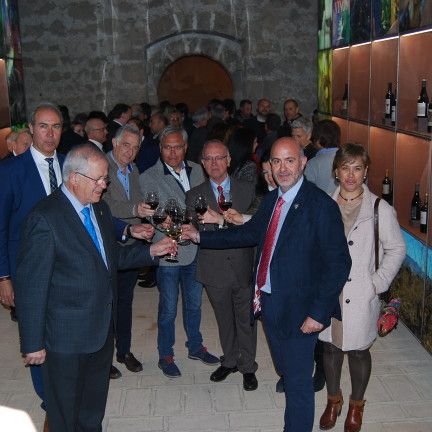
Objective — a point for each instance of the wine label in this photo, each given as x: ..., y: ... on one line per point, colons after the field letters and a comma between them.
x: 387, y: 106
x: 423, y: 218
x: 344, y: 104
x: 414, y: 213
x: 386, y: 189
x: 421, y: 109
x: 393, y: 114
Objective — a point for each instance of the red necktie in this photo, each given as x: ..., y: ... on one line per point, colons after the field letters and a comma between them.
x: 221, y: 197
x: 266, y: 255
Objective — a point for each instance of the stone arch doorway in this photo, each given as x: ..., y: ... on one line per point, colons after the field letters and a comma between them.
x: 195, y: 80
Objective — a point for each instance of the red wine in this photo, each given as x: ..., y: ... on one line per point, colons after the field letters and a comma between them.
x: 177, y: 218
x: 388, y: 101
x: 345, y: 100
x: 226, y: 205
x: 424, y: 213
x: 200, y: 210
x: 153, y: 204
x: 387, y: 188
x: 158, y: 219
x: 415, y: 204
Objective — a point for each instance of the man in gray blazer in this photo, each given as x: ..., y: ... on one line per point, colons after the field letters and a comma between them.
x: 172, y: 177
x: 66, y: 291
x: 227, y: 274
x: 126, y: 203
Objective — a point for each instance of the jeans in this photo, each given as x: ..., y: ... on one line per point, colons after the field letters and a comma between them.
x: 169, y: 279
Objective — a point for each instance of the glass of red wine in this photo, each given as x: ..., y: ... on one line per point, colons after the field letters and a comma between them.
x: 160, y: 215
x: 200, y: 205
x: 152, y: 199
x: 225, y: 205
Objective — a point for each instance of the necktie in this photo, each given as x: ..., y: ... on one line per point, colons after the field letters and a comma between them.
x: 221, y: 197
x: 90, y: 228
x: 52, y: 174
x: 266, y: 254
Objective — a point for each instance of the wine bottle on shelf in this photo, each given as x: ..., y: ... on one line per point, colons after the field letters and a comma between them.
x: 387, y: 193
x: 424, y: 215
x: 344, y: 107
x: 389, y: 97
x: 416, y: 204
x: 430, y: 117
x: 393, y: 110
x: 422, y: 101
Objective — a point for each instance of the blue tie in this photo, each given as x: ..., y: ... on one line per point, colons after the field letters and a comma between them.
x: 52, y: 174
x: 90, y: 228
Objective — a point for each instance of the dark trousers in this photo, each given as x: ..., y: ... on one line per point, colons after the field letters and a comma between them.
x: 237, y: 336
x: 76, y: 389
x: 294, y: 359
x: 126, y: 281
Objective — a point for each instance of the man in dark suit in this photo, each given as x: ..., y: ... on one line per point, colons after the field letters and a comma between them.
x: 118, y: 117
x: 18, y: 142
x: 257, y: 123
x: 25, y: 180
x: 66, y: 296
x: 302, y: 264
x: 227, y: 274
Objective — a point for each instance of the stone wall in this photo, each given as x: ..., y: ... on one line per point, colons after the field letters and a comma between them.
x: 91, y: 54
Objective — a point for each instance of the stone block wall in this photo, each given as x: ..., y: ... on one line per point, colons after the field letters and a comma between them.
x: 91, y: 54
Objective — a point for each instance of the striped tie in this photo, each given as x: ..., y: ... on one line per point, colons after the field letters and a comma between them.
x: 52, y: 175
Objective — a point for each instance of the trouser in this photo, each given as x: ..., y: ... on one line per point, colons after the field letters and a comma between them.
x: 126, y: 281
x: 294, y: 359
x: 76, y: 387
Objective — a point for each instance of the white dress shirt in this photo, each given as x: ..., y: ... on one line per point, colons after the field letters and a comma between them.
x: 43, y: 168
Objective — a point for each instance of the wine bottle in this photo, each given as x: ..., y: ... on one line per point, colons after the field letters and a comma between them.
x: 388, y: 101
x: 416, y: 204
x: 386, y: 193
x: 424, y: 215
x: 430, y: 117
x: 345, y: 100
x: 393, y: 110
x: 422, y: 101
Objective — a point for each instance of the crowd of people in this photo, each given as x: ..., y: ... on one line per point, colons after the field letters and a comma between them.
x: 271, y: 216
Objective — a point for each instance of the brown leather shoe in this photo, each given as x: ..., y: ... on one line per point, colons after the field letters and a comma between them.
x: 45, y: 428
x: 331, y: 412
x: 353, y: 422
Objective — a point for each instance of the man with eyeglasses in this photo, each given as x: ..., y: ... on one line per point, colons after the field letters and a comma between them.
x: 172, y: 176
x: 66, y: 290
x: 96, y: 132
x: 124, y: 198
x: 227, y: 274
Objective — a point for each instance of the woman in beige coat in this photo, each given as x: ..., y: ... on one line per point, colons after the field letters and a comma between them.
x: 359, y: 300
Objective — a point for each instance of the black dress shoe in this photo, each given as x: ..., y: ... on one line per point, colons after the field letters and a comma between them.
x: 148, y: 280
x: 221, y: 373
x: 130, y: 362
x: 250, y: 382
x: 114, y: 373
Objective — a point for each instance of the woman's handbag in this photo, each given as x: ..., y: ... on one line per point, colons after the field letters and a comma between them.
x: 389, y: 316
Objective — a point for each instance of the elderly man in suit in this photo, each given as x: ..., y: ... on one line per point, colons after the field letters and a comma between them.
x: 302, y: 264
x: 25, y: 180
x: 227, y: 274
x: 172, y: 176
x: 124, y: 198
x: 66, y: 295
x: 18, y: 142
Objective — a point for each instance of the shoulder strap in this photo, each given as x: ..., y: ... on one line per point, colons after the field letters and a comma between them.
x: 376, y: 231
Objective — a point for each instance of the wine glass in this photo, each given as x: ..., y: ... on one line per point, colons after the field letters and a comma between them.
x: 174, y: 231
x: 160, y: 215
x: 226, y: 203
x: 152, y: 199
x: 188, y: 216
x: 200, y: 205
x: 174, y: 210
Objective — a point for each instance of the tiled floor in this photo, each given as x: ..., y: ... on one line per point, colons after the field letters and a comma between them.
x: 399, y: 396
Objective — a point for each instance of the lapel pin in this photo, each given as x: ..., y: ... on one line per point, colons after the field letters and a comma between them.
x: 296, y: 206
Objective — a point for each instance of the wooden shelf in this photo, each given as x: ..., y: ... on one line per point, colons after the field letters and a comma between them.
x: 359, y: 73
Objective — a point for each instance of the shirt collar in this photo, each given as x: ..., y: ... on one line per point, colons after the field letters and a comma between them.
x: 120, y: 169
x: 96, y: 143
x: 173, y: 171
x: 291, y: 193
x: 39, y: 157
x: 73, y: 199
x: 226, y: 184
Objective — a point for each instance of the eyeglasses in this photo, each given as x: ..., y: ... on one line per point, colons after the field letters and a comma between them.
x: 214, y: 158
x: 99, y: 181
x: 176, y: 148
x: 99, y: 129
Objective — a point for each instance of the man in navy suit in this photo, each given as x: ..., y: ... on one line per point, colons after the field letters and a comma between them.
x: 66, y: 290
x: 302, y: 264
x: 25, y: 180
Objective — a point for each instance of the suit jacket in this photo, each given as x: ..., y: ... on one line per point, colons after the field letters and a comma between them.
x: 21, y: 190
x: 112, y: 127
x: 148, y: 154
x: 228, y: 267
x: 66, y: 296
x: 115, y: 196
x: 158, y: 178
x: 310, y: 263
